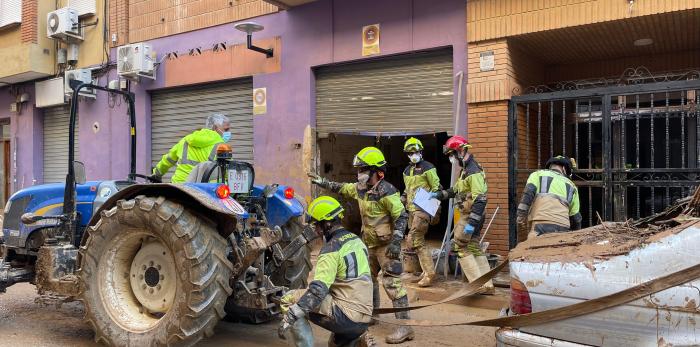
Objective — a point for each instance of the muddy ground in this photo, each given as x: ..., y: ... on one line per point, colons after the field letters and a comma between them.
x: 25, y: 323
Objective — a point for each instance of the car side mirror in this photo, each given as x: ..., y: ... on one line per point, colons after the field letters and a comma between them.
x: 79, y: 171
x: 270, y: 190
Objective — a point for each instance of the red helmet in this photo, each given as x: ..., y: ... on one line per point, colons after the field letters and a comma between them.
x: 454, y: 143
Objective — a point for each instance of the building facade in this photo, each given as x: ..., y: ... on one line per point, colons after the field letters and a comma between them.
x: 344, y: 75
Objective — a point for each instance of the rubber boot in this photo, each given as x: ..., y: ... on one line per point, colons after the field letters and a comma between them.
x: 365, y: 340
x: 376, y: 301
x: 471, y: 270
x: 484, y: 267
x: 426, y: 263
x: 402, y: 333
x: 302, y: 334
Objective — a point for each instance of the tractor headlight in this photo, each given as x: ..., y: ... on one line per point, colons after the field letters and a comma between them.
x: 105, y: 192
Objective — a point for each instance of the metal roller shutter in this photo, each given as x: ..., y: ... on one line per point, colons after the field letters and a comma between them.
x: 409, y: 94
x: 177, y: 112
x: 56, y: 143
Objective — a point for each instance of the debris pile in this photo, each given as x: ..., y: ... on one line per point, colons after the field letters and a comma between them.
x: 610, y: 238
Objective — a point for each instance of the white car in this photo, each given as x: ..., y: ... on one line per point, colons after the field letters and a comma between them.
x: 557, y: 270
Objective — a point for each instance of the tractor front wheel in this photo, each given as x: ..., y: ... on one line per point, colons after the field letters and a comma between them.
x: 153, y: 274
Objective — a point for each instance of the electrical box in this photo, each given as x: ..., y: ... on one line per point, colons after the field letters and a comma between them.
x: 83, y: 7
x: 63, y: 24
x: 50, y: 92
x: 82, y: 75
x: 136, y: 60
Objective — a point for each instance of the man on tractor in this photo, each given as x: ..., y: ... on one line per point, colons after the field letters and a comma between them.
x: 419, y: 174
x: 470, y: 193
x: 384, y: 221
x: 339, y: 298
x: 197, y: 147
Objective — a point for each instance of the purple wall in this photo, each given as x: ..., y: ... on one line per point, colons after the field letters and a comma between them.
x: 320, y: 33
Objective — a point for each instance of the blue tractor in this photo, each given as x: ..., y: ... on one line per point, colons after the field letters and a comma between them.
x: 153, y: 263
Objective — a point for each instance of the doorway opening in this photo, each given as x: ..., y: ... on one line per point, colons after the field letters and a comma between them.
x: 338, y: 150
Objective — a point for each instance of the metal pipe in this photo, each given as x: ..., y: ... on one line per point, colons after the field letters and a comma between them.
x: 249, y: 44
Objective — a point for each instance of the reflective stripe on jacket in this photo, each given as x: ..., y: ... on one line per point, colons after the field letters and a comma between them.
x: 556, y: 198
x: 191, y: 150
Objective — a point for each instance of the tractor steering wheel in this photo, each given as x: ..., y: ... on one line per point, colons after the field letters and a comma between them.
x: 151, y: 178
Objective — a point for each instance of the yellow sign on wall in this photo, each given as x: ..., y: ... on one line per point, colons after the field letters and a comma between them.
x: 259, y: 101
x: 370, y: 39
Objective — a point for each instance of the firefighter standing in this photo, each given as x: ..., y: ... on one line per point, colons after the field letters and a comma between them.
x: 339, y: 298
x: 419, y: 174
x: 384, y: 221
x: 550, y: 202
x: 470, y: 193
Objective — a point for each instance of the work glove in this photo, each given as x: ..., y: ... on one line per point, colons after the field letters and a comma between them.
x: 469, y: 230
x: 155, y: 178
x: 393, y: 250
x: 295, y: 312
x: 318, y: 180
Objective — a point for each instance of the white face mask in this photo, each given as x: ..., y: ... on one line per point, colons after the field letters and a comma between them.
x: 414, y: 157
x: 454, y: 160
x: 362, y: 177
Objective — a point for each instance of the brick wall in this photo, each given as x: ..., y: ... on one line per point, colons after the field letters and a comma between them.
x: 29, y: 25
x: 488, y: 133
x: 156, y: 18
x: 119, y: 22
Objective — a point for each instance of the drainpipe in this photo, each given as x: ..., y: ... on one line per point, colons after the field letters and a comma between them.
x: 453, y: 177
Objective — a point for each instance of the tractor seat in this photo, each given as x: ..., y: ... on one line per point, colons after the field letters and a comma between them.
x: 204, y: 172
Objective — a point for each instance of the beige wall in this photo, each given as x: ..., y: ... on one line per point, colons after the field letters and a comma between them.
x: 22, y: 51
x: 492, y: 19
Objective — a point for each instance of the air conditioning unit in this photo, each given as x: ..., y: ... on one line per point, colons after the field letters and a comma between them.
x: 136, y: 60
x: 63, y: 24
x: 82, y: 75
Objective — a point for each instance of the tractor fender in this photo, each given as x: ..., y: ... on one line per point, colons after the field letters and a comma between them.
x: 201, y: 197
x: 280, y: 209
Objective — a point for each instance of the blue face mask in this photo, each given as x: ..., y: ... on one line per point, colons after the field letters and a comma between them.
x: 226, y: 136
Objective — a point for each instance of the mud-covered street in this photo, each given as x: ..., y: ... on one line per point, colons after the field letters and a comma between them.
x: 26, y: 323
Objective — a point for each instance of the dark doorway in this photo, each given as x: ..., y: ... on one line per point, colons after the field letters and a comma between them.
x: 338, y: 150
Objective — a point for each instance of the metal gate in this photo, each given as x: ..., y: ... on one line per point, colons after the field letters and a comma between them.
x: 635, y: 141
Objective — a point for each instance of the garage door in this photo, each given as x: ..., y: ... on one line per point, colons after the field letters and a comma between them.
x: 56, y: 143
x: 177, y: 112
x: 408, y: 94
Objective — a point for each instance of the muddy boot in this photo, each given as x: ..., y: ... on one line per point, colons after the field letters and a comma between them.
x: 401, y: 333
x: 426, y: 263
x: 376, y: 301
x: 302, y: 334
x: 484, y: 267
x: 471, y: 268
x: 365, y: 340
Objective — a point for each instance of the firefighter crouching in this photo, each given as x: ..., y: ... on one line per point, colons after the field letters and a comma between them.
x: 339, y: 298
x: 419, y: 174
x: 384, y: 221
x: 550, y: 202
x: 469, y: 192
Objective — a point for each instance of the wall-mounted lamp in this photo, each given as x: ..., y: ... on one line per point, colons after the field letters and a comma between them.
x: 249, y: 28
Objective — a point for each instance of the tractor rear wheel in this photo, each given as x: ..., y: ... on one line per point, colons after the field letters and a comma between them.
x: 294, y: 272
x: 153, y: 273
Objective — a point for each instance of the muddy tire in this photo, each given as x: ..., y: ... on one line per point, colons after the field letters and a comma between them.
x: 153, y: 273
x: 294, y: 272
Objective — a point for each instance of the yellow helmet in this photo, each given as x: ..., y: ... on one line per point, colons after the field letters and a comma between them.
x: 324, y: 208
x: 413, y: 145
x: 369, y: 156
